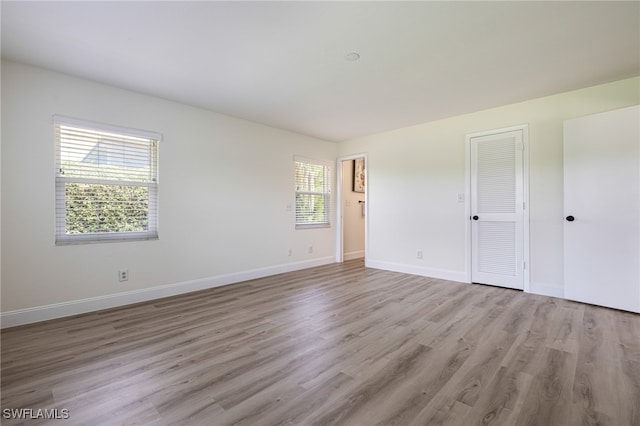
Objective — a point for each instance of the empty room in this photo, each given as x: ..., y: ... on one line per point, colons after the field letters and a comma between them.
x: 320, y: 213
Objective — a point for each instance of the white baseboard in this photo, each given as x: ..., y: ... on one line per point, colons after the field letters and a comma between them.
x: 74, y: 307
x: 535, y: 288
x: 353, y: 255
x: 443, y: 274
x: 544, y: 289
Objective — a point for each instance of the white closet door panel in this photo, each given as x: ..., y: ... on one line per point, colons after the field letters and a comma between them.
x: 496, y: 207
x: 602, y: 194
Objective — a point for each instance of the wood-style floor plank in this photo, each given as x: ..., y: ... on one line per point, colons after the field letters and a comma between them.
x: 335, y: 345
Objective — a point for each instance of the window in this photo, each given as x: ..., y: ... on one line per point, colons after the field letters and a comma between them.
x: 312, y: 193
x: 106, y: 182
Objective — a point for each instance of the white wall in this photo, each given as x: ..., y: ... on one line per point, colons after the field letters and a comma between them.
x: 0, y: 186
x: 415, y: 174
x: 225, y: 184
x: 352, y: 218
x: 224, y: 188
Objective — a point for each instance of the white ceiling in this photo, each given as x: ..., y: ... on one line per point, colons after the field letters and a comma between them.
x: 282, y: 63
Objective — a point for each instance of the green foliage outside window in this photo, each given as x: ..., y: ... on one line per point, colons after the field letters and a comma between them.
x: 92, y: 208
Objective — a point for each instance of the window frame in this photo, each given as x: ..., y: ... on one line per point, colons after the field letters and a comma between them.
x: 327, y: 181
x: 61, y: 236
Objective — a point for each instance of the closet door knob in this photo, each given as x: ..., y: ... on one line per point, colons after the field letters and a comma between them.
x: 476, y: 218
x: 570, y: 218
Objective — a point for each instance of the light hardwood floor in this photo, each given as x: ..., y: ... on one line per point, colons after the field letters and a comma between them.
x: 334, y: 345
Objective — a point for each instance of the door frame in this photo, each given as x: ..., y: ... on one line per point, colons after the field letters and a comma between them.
x: 339, y: 209
x: 467, y: 199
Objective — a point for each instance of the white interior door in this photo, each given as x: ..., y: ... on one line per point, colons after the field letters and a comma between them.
x: 497, y: 205
x: 602, y: 209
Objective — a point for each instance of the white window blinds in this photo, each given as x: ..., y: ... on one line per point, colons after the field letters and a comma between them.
x: 313, y: 192
x: 106, y: 182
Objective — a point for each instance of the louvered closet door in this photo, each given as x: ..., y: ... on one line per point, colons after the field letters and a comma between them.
x: 497, y: 232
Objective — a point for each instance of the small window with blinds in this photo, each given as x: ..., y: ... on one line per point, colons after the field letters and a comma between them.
x: 313, y: 193
x: 106, y: 182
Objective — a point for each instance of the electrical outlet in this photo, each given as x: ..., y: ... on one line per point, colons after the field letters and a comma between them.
x: 310, y: 249
x: 419, y: 254
x: 123, y: 275
x: 289, y: 252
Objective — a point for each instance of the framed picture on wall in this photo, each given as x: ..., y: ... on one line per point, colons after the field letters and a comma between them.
x: 358, y: 175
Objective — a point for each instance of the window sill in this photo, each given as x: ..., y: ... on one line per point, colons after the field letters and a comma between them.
x: 103, y: 239
x: 314, y: 226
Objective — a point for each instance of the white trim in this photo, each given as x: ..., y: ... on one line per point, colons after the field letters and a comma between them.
x: 340, y: 256
x: 316, y: 161
x: 544, y: 289
x: 105, y: 237
x: 467, y: 208
x: 95, y: 125
x: 74, y: 307
x: 313, y: 225
x: 525, y: 196
x: 442, y: 274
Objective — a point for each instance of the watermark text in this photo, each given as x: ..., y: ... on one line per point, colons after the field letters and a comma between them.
x: 35, y: 413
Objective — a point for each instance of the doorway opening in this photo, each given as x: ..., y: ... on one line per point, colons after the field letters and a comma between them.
x: 351, y: 207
